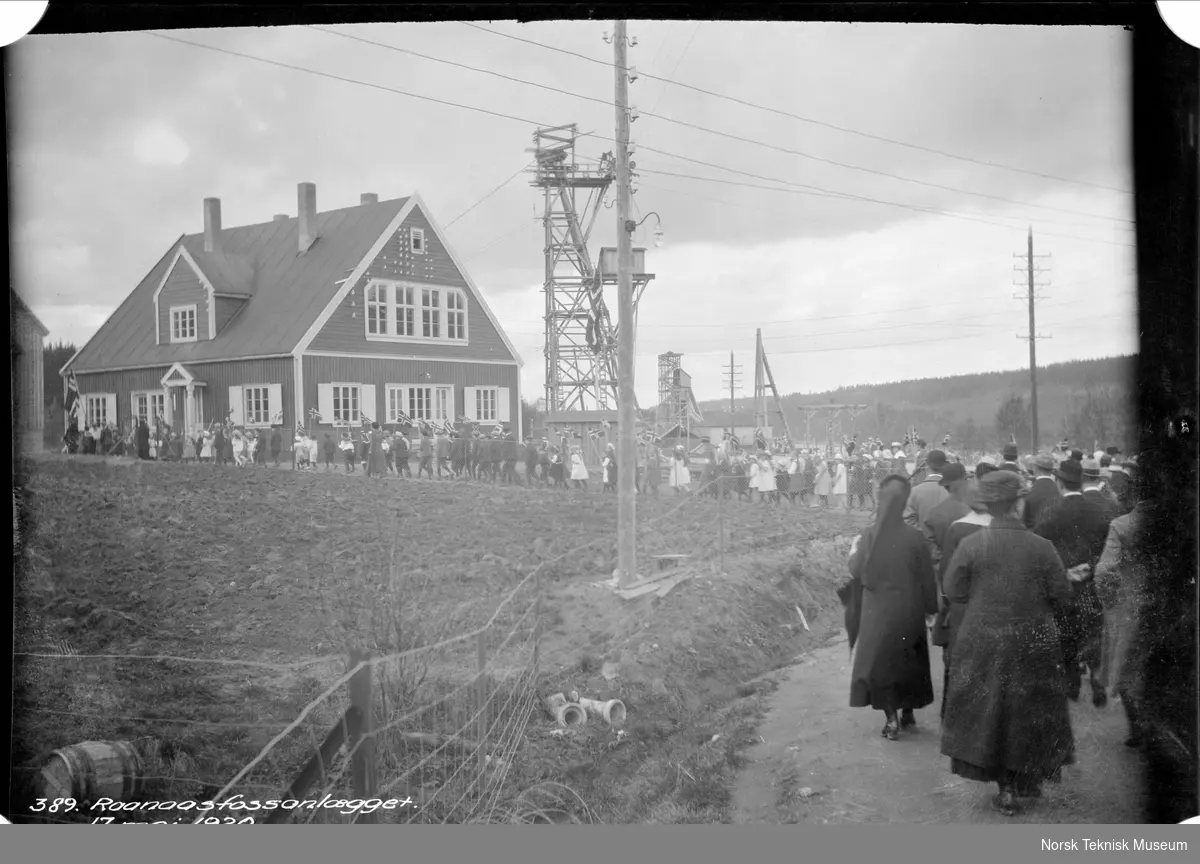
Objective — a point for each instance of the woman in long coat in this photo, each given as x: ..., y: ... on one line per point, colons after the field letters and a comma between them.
x: 377, y: 458
x: 840, y: 489
x: 1007, y: 720
x: 143, y: 440
x: 890, y: 595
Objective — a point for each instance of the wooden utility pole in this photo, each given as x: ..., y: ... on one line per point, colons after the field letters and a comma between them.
x: 760, y: 385
x: 626, y: 434
x: 733, y: 382
x: 1030, y: 297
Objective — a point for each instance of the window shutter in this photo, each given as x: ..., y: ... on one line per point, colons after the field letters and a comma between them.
x: 275, y: 403
x: 81, y: 417
x: 324, y: 404
x: 111, y: 399
x: 238, y: 405
x: 133, y: 412
x: 168, y: 407
x: 502, y: 406
x: 469, y: 403
x: 367, y: 405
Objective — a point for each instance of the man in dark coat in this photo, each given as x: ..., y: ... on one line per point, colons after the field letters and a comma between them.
x: 1078, y: 528
x: 1044, y: 492
x: 277, y: 445
x: 1007, y: 720
x: 1010, y: 455
x: 1093, y: 489
x: 893, y: 585
x: 956, y: 482
x: 927, y: 493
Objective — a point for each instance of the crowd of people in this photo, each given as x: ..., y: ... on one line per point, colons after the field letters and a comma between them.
x: 215, y: 445
x: 1021, y: 571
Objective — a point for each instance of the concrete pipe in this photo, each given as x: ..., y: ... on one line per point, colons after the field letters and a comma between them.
x: 566, y: 713
x: 613, y: 711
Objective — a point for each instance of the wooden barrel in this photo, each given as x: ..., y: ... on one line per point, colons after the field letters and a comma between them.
x: 93, y: 770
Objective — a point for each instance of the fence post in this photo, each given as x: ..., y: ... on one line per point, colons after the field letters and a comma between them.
x: 363, y: 763
x: 481, y: 696
x: 721, y: 519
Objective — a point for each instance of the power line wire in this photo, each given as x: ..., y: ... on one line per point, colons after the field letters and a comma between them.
x: 668, y: 82
x: 802, y: 119
x: 518, y: 173
x: 717, y: 132
x: 913, y: 207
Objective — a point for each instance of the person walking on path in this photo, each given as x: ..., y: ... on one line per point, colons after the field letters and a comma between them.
x: 950, y: 614
x: 929, y: 492
x: 1120, y: 585
x: 1078, y: 528
x: 1007, y: 720
x: 890, y: 597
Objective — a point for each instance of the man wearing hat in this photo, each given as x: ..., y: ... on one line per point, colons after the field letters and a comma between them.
x: 928, y: 493
x: 1094, y: 491
x: 1043, y: 494
x: 1078, y: 528
x: 1119, y: 480
x: 1010, y: 459
x: 941, y: 516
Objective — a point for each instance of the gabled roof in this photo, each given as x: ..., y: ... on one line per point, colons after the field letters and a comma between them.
x: 18, y: 304
x: 289, y: 290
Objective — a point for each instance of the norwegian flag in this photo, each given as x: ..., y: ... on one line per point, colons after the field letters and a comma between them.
x: 74, y: 400
x: 277, y: 420
x: 497, y: 430
x: 402, y: 419
x: 594, y: 434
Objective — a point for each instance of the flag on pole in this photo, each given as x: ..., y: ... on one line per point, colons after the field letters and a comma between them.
x: 277, y: 420
x: 74, y: 400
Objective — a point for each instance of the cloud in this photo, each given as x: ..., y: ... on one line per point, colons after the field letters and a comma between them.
x: 159, y: 145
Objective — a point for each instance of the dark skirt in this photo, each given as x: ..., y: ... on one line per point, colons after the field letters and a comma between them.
x: 1019, y: 779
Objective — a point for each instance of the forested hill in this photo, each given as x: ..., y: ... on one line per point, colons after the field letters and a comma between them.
x: 1085, y: 400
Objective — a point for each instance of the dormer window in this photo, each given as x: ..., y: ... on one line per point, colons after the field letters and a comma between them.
x: 416, y: 240
x: 183, y: 323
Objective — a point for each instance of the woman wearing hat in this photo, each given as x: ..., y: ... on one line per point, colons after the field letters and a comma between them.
x: 1006, y: 718
x: 891, y: 592
x: 824, y: 482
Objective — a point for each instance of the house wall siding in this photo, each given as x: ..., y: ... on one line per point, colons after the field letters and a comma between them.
x: 345, y: 331
x: 182, y: 287
x: 218, y: 378
x: 327, y: 370
x: 27, y: 381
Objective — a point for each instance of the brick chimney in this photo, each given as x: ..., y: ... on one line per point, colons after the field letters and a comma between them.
x: 281, y: 217
x: 306, y: 196
x: 212, y: 224
x: 368, y: 198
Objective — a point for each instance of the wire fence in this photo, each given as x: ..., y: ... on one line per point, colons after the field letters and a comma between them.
x: 417, y: 730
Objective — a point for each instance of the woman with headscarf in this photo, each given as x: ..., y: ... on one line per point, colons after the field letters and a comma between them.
x: 680, y: 474
x: 1007, y: 720
x: 579, y: 471
x: 889, y: 598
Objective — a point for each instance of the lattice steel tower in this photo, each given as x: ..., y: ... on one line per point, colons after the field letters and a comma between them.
x: 580, y: 337
x: 676, y: 403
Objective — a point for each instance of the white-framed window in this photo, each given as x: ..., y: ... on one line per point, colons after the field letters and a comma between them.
x: 257, y: 409
x: 95, y: 410
x: 416, y: 240
x: 149, y: 405
x: 487, y: 401
x: 391, y: 310
x: 431, y: 308
x: 456, y: 315
x: 431, y: 403
x: 183, y: 323
x: 346, y: 401
x: 377, y: 309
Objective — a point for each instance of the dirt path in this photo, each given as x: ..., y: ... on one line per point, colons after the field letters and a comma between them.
x: 822, y: 762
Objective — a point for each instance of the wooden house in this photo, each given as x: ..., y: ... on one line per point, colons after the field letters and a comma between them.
x: 26, y: 333
x: 320, y: 320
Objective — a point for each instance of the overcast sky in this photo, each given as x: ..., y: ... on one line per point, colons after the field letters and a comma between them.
x: 115, y: 139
